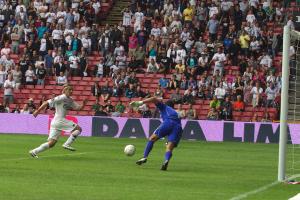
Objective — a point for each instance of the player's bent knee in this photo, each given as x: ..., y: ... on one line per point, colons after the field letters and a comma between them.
x: 52, y: 143
x: 170, y: 146
x: 77, y: 131
x: 79, y: 128
x: 153, y: 138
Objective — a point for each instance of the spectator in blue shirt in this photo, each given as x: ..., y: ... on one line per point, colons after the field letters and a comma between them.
x: 163, y: 82
x: 41, y: 30
x: 130, y: 92
x: 49, y: 63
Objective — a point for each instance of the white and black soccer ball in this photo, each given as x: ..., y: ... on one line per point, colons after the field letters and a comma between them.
x: 129, y: 150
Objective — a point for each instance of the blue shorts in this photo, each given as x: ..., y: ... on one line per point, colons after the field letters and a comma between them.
x: 171, y: 129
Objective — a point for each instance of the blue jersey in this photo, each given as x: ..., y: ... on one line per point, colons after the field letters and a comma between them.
x: 167, y: 113
x: 171, y: 125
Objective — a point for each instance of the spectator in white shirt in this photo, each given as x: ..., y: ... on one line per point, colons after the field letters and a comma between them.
x: 180, y: 55
x: 43, y: 46
x: 96, y: 5
x: 50, y: 16
x: 5, y: 51
x: 9, y: 63
x: 256, y: 94
x: 291, y: 23
x: 176, y: 24
x: 9, y: 85
x: 265, y: 61
x: 122, y: 60
x: 226, y: 5
x: 60, y: 15
x: 61, y: 79
x: 184, y: 35
x: 139, y: 17
x: 25, y: 109
x: 119, y: 48
x: 57, y: 34
x: 250, y: 17
x: 155, y: 31
x: 271, y: 92
x: 254, y: 3
x: 19, y: 6
x: 219, y: 58
x: 213, y: 10
x: 73, y: 61
x: 76, y: 15
x: 271, y: 78
x: 84, y: 29
x: 100, y: 68
x: 152, y: 66
x: 27, y: 32
x: 30, y: 76
x: 3, y: 75
x: 86, y: 43
x: 220, y: 92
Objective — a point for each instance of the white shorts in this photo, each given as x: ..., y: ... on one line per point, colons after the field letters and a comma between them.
x: 57, y: 126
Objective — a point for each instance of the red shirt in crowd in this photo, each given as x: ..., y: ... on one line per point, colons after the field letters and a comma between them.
x: 238, y: 105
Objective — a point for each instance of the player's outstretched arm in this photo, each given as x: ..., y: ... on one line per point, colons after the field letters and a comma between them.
x: 136, y: 104
x: 42, y: 107
x: 80, y: 107
x: 154, y: 100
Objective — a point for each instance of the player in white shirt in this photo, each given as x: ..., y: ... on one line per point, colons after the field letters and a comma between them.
x: 62, y: 104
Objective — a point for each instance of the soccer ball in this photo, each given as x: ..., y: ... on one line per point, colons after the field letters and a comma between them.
x: 129, y: 150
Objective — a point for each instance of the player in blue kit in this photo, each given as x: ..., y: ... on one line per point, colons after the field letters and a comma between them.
x: 171, y: 127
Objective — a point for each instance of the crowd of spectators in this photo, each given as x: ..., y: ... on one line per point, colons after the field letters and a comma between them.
x: 192, y: 40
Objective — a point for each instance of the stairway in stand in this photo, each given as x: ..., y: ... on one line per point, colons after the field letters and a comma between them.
x: 115, y: 15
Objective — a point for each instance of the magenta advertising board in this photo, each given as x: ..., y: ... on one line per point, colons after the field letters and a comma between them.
x: 141, y: 128
x: 27, y: 124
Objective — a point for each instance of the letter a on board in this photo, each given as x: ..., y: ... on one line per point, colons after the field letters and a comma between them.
x: 193, y: 131
x: 133, y: 128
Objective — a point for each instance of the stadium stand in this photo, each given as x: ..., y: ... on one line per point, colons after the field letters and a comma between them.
x: 249, y: 32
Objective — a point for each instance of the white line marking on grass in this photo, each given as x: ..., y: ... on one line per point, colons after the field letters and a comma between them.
x: 261, y: 189
x: 296, y: 197
x: 50, y: 156
x: 256, y: 191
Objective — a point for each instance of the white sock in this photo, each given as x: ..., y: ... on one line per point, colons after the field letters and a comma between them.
x: 72, y: 137
x: 41, y: 148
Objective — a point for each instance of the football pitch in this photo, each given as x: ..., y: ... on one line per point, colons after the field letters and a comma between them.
x: 100, y: 170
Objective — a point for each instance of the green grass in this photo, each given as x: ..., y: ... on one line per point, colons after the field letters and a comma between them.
x: 198, y: 170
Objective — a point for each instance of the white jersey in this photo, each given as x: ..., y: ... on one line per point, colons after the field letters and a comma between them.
x: 62, y: 104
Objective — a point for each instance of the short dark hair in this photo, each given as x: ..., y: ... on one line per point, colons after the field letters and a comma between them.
x: 170, y: 103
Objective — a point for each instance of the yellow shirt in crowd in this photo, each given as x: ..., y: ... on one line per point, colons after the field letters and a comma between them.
x: 244, y: 41
x: 188, y: 14
x: 180, y: 67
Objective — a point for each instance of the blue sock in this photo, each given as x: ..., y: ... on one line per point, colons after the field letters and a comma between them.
x: 148, y: 148
x: 168, y: 155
